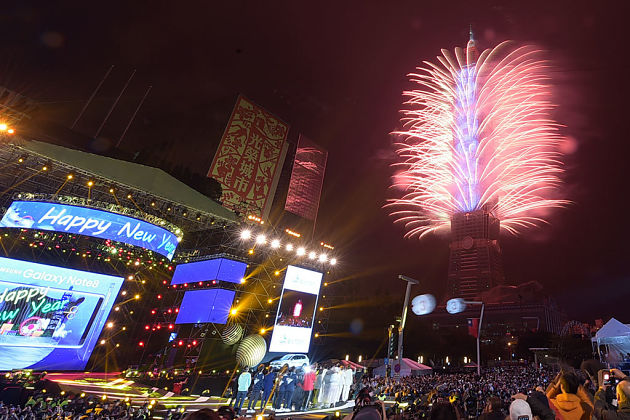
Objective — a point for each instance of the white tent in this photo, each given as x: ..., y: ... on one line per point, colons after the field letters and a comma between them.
x: 407, y: 368
x: 615, y: 336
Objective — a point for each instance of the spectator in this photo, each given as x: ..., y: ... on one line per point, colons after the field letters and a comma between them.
x: 443, y: 411
x: 493, y: 410
x: 520, y: 410
x: 203, y: 414
x: 568, y: 399
x: 604, y: 410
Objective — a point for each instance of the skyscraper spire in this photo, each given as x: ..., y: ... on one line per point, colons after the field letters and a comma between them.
x: 471, y: 49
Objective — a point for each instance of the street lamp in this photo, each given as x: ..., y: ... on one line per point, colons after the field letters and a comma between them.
x: 457, y: 305
x: 403, y: 318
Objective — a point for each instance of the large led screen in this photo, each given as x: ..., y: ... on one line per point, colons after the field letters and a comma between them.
x: 90, y: 222
x: 222, y: 269
x: 202, y: 306
x: 296, y: 311
x: 51, y: 317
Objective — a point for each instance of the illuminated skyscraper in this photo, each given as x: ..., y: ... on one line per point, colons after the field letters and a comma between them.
x: 475, y: 263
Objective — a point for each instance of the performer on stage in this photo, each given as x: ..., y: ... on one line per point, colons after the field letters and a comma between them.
x: 297, y: 309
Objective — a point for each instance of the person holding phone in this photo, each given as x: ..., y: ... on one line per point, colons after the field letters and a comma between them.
x: 568, y: 398
x: 604, y: 410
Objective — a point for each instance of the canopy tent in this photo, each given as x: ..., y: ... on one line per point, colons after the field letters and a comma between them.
x: 408, y: 368
x: 615, y: 336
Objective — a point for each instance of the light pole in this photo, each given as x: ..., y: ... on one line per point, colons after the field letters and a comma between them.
x: 457, y: 305
x: 479, y: 335
x: 403, y: 318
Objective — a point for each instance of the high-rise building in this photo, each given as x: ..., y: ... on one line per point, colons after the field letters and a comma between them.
x: 475, y: 264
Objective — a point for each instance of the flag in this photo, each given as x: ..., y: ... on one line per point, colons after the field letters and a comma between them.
x: 473, y: 327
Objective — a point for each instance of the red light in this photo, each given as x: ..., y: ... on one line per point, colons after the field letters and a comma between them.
x: 158, y: 326
x: 141, y: 344
x: 159, y: 296
x: 146, y: 327
x: 181, y: 343
x: 177, y: 310
x: 170, y: 326
x: 214, y: 282
x: 194, y: 342
x: 163, y: 281
x: 185, y: 284
x: 200, y: 283
x: 169, y: 311
x: 152, y: 311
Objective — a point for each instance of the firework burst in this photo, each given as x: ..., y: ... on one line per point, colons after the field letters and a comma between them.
x: 478, y: 133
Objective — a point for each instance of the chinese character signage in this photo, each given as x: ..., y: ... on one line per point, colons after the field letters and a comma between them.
x: 249, y: 159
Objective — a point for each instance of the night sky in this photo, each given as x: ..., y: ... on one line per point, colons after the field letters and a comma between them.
x: 335, y: 71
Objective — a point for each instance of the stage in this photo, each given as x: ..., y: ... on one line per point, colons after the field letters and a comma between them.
x: 113, y: 386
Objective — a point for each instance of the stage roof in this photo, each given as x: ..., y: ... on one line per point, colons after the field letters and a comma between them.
x: 146, y: 178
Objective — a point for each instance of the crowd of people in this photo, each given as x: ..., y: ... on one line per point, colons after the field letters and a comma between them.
x: 518, y: 392
x: 43, y: 406
x: 503, y: 393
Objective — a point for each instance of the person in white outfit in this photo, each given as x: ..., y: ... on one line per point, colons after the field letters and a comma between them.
x: 325, y: 389
x: 348, y: 376
x: 336, y: 383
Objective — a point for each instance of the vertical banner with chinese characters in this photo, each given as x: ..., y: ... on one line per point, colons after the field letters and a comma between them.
x: 307, y: 178
x: 249, y: 159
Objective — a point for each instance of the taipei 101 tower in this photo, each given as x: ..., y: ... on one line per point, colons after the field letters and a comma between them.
x: 480, y: 154
x: 475, y: 263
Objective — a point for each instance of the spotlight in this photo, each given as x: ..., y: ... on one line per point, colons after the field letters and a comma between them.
x: 333, y: 261
x: 262, y: 331
x: 312, y: 255
x: 3, y: 127
x: 110, y: 324
x: 102, y: 341
x: 300, y: 251
x: 90, y: 183
x: 70, y: 176
x: 10, y: 131
x: 289, y: 247
x: 275, y: 243
x: 246, y: 234
x: 233, y: 311
x: 261, y: 239
x: 323, y: 258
